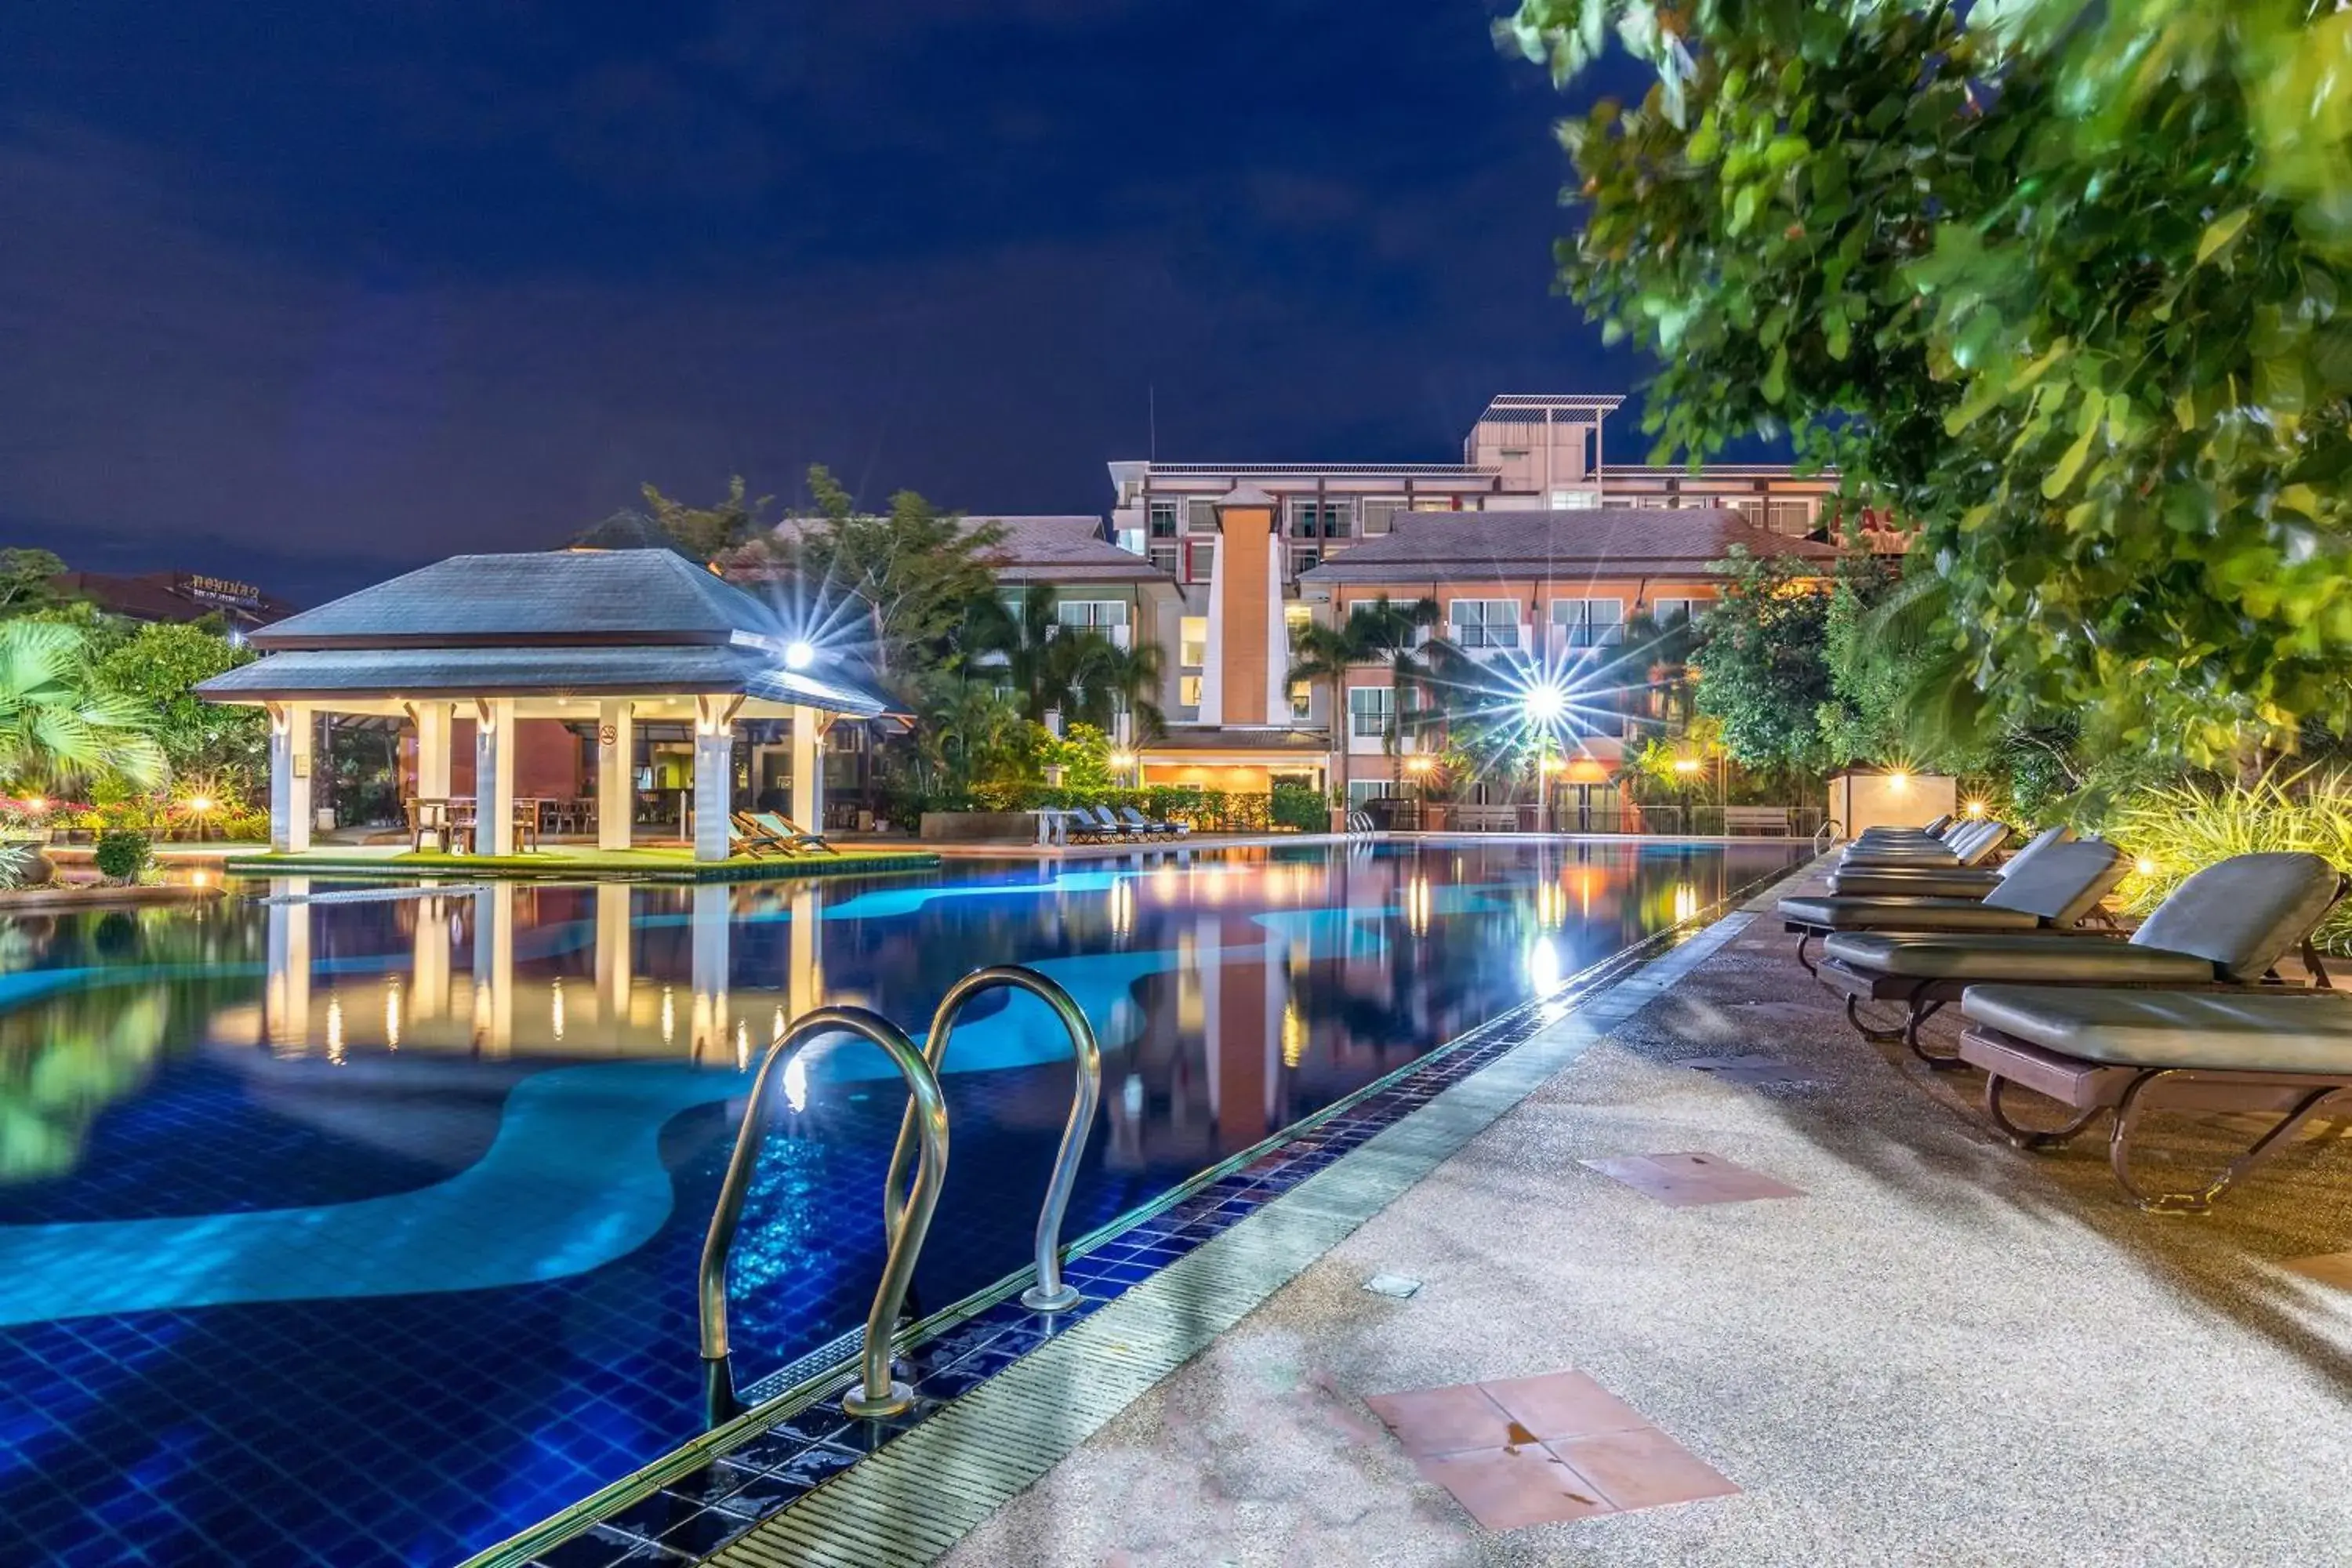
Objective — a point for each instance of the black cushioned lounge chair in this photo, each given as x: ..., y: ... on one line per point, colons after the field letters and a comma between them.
x: 2060, y: 888
x: 1973, y: 844
x: 1940, y: 881
x: 2282, y: 1053
x: 2226, y: 927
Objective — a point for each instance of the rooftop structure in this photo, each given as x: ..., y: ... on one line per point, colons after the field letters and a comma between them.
x: 175, y: 596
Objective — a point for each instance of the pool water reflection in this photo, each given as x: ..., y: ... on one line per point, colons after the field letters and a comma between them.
x: 353, y: 1229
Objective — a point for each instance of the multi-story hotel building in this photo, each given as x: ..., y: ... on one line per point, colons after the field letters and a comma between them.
x: 1532, y: 546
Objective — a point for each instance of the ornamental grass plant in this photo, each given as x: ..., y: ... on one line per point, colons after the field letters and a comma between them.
x: 2174, y: 830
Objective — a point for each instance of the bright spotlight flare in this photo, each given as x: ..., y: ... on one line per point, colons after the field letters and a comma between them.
x: 1545, y: 704
x: 798, y: 654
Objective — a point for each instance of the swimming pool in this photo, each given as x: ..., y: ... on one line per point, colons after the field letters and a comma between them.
x: 344, y: 1228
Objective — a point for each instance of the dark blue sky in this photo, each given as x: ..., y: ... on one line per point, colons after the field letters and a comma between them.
x: 310, y: 292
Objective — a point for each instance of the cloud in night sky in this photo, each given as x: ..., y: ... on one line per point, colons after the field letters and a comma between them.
x: 323, y: 295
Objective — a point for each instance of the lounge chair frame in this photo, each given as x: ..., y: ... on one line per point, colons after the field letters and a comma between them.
x: 2129, y: 1093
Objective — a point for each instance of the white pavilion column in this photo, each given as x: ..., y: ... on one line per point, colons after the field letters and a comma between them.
x: 428, y: 985
x: 292, y: 732
x: 804, y: 969
x: 494, y: 771
x: 808, y: 771
x: 714, y: 774
x: 616, y: 785
x: 432, y: 719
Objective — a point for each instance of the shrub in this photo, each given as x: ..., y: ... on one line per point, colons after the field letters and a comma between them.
x: 122, y: 854
x: 1300, y: 808
x: 16, y: 859
x: 2174, y: 830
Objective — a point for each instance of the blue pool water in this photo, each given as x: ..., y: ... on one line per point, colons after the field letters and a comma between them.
x: 353, y: 1231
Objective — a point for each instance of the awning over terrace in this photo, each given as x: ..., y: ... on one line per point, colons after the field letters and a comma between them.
x: 611, y: 637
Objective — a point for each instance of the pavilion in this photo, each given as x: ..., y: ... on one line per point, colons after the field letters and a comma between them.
x: 553, y: 642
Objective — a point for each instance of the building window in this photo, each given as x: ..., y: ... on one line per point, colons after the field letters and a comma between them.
x: 1793, y: 518
x: 1361, y: 790
x: 1370, y: 707
x: 1304, y: 560
x: 1675, y: 612
x: 1484, y: 623
x: 1302, y: 702
x: 1575, y: 500
x: 1163, y: 556
x: 1296, y: 618
x: 1095, y: 615
x: 1322, y: 519
x: 1590, y: 623
x: 1192, y: 641
x: 1200, y: 516
x: 1164, y: 519
x: 1200, y: 560
x: 1188, y: 692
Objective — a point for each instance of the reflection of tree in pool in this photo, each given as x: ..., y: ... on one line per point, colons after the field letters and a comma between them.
x: 62, y: 1064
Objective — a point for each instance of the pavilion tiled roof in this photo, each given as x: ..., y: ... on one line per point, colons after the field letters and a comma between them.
x: 1581, y: 544
x: 555, y: 623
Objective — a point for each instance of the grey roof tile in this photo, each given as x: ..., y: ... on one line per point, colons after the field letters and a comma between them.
x: 1580, y: 544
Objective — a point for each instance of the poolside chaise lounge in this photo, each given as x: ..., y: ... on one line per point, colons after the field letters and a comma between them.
x: 746, y: 837
x: 2283, y: 1053
x: 1112, y: 828
x: 1134, y: 818
x: 2226, y: 927
x: 1940, y: 881
x: 1972, y: 844
x: 2059, y: 887
x: 792, y: 834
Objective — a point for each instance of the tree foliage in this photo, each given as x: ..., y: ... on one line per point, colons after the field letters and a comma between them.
x: 26, y: 580
x: 159, y: 666
x: 706, y: 533
x: 1762, y: 652
x: 2065, y: 284
x: 916, y: 571
x: 1051, y: 668
x: 60, y: 724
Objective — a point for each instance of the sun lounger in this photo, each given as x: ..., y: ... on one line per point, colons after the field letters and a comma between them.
x: 2060, y: 888
x: 1131, y: 817
x: 1934, y: 829
x: 1940, y: 881
x: 1972, y: 844
x: 747, y: 837
x: 2225, y: 928
x: 784, y: 830
x: 2280, y: 1053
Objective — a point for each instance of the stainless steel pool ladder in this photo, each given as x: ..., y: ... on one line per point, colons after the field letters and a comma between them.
x: 907, y: 1218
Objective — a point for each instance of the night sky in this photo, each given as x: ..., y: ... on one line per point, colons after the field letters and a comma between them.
x: 310, y: 293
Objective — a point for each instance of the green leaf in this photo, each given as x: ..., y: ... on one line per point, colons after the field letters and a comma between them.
x: 2056, y: 482
x: 2221, y: 232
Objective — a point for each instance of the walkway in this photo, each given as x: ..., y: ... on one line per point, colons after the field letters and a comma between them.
x: 1942, y: 1352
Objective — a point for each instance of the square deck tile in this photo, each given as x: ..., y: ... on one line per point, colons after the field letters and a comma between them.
x: 1690, y: 1178
x: 1543, y: 1450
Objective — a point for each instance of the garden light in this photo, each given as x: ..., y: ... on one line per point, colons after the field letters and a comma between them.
x: 37, y: 804
x: 1418, y: 765
x: 1122, y: 760
x: 1543, y: 703
x: 200, y: 803
x: 2144, y: 865
x: 1898, y: 780
x: 1686, y: 764
x: 798, y: 655
x: 1974, y: 808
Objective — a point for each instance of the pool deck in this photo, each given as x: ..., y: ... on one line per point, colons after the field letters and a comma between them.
x: 1943, y: 1351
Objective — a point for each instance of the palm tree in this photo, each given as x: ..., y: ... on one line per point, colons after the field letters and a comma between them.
x: 1385, y: 633
x: 1071, y: 670
x: 58, y: 726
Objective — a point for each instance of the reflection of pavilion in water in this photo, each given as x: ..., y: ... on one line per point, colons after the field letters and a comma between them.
x: 1270, y: 985
x: 591, y: 985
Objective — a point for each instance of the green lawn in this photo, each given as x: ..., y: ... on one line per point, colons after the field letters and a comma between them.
x: 672, y: 864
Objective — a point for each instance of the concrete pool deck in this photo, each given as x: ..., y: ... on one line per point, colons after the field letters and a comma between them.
x: 1942, y: 1350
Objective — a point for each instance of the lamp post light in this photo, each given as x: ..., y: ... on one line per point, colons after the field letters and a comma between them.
x: 200, y: 806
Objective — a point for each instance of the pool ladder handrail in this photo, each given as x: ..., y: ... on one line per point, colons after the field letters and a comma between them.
x: 923, y: 1134
x: 875, y: 1394
x: 1049, y: 1294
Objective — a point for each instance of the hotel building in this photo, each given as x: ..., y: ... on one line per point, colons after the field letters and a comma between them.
x: 1532, y: 546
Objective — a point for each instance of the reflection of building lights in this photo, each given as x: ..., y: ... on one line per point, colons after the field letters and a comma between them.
x: 200, y: 879
x: 391, y: 1013
x: 335, y: 1030
x: 1293, y: 1036
x: 796, y: 1083
x: 1122, y: 906
x: 555, y: 1008
x: 1417, y: 902
x: 1686, y: 902
x: 1551, y: 905
x: 742, y: 1045
x: 1543, y: 966
x: 798, y: 656
x: 777, y: 1031
x: 668, y: 1016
